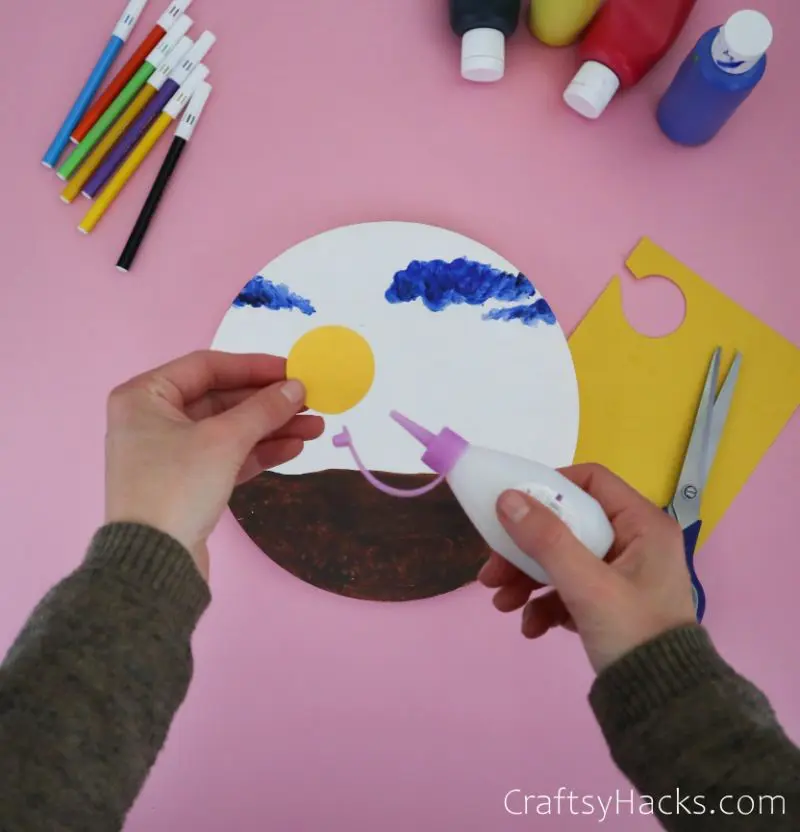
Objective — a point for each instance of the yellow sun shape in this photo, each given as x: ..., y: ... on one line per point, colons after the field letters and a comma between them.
x: 335, y: 364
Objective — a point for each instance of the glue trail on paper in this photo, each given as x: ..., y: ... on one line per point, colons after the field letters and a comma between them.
x: 260, y: 292
x: 530, y: 315
x: 439, y: 284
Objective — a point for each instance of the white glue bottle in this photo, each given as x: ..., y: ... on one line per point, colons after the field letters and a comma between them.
x: 478, y: 476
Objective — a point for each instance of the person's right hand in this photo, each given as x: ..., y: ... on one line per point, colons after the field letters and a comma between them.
x: 641, y: 590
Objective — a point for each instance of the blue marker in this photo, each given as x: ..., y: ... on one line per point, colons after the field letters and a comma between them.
x: 715, y: 80
x: 121, y: 34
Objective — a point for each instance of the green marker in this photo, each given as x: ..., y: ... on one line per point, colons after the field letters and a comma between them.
x: 121, y: 102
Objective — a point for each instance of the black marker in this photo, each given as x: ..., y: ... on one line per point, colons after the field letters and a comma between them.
x: 182, y: 136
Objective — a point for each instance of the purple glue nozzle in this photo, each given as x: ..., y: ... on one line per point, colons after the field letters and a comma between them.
x: 443, y: 452
x: 417, y: 431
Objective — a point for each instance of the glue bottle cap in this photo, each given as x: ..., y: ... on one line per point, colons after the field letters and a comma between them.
x: 748, y: 35
x: 592, y: 89
x: 483, y: 55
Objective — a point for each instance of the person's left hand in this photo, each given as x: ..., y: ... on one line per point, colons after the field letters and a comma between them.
x: 182, y: 436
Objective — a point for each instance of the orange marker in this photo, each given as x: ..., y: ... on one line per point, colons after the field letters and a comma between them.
x: 106, y: 98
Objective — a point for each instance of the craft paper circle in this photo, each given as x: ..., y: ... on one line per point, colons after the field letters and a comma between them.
x: 335, y: 364
x: 461, y: 339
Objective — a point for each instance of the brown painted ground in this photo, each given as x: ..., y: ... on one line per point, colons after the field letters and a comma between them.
x: 334, y: 530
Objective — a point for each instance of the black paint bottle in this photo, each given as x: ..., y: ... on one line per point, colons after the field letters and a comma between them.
x: 483, y: 26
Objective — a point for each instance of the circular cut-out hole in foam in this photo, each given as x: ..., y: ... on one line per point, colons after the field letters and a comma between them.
x: 654, y: 306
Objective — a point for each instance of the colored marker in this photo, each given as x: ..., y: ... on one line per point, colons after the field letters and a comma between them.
x: 151, y: 111
x: 182, y: 135
x: 138, y: 104
x: 121, y: 102
x: 165, y: 23
x: 120, y: 34
x: 172, y: 110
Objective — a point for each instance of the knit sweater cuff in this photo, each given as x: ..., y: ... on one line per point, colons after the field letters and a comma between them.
x: 155, y: 562
x: 653, y: 675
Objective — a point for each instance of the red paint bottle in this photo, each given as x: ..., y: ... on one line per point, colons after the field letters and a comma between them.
x: 625, y: 41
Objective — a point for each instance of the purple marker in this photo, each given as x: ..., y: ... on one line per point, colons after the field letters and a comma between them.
x: 139, y: 127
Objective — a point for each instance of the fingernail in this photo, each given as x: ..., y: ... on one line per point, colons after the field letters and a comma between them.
x: 294, y: 391
x: 514, y: 507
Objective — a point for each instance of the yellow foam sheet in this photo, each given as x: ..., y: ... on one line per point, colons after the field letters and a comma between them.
x: 639, y: 395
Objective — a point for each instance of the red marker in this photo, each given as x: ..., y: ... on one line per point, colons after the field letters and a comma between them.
x: 134, y: 64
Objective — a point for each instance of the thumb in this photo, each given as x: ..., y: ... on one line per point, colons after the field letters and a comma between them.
x: 261, y: 414
x: 574, y: 571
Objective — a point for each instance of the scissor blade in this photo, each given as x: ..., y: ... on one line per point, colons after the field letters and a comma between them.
x: 686, y: 502
x: 721, y: 409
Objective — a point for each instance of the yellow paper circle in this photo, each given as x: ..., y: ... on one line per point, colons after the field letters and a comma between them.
x: 335, y: 364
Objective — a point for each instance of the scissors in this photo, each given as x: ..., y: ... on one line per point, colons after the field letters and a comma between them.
x: 712, y: 413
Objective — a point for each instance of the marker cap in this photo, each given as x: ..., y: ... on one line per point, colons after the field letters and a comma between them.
x: 173, y: 14
x: 129, y: 19
x: 748, y: 35
x: 193, y: 112
x: 483, y: 55
x: 592, y: 89
x: 196, y: 54
x: 164, y: 70
x: 170, y: 41
x: 181, y: 98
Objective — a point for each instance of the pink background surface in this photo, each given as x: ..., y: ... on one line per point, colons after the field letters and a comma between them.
x: 309, y: 711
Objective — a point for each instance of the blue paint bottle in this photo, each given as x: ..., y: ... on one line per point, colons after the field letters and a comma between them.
x: 715, y: 79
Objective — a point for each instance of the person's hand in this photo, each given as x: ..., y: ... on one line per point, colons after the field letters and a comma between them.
x: 181, y: 437
x: 641, y: 590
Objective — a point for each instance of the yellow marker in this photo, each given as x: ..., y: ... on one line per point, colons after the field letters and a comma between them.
x: 335, y: 364
x: 93, y: 161
x: 121, y: 178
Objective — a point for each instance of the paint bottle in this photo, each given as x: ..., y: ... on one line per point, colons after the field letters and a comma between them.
x: 560, y: 22
x: 483, y: 26
x: 625, y: 41
x: 478, y: 476
x: 725, y: 66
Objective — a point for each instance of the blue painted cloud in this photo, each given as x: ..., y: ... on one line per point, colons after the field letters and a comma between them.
x: 439, y: 284
x: 260, y: 292
x: 530, y: 314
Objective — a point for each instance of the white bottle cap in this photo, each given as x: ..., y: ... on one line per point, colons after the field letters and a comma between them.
x: 748, y: 35
x: 592, y: 89
x: 483, y: 55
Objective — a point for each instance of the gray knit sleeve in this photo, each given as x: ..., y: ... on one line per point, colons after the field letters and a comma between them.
x: 696, y: 739
x: 93, y: 681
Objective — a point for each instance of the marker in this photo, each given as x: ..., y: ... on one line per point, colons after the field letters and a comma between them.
x: 182, y: 135
x: 120, y: 103
x: 172, y: 110
x: 138, y: 104
x: 139, y: 127
x: 165, y: 23
x: 120, y: 34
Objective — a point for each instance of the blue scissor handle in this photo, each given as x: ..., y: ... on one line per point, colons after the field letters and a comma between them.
x: 690, y: 536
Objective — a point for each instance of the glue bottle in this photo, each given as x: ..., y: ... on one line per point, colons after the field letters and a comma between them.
x: 478, y: 476
x: 483, y: 26
x: 717, y: 77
